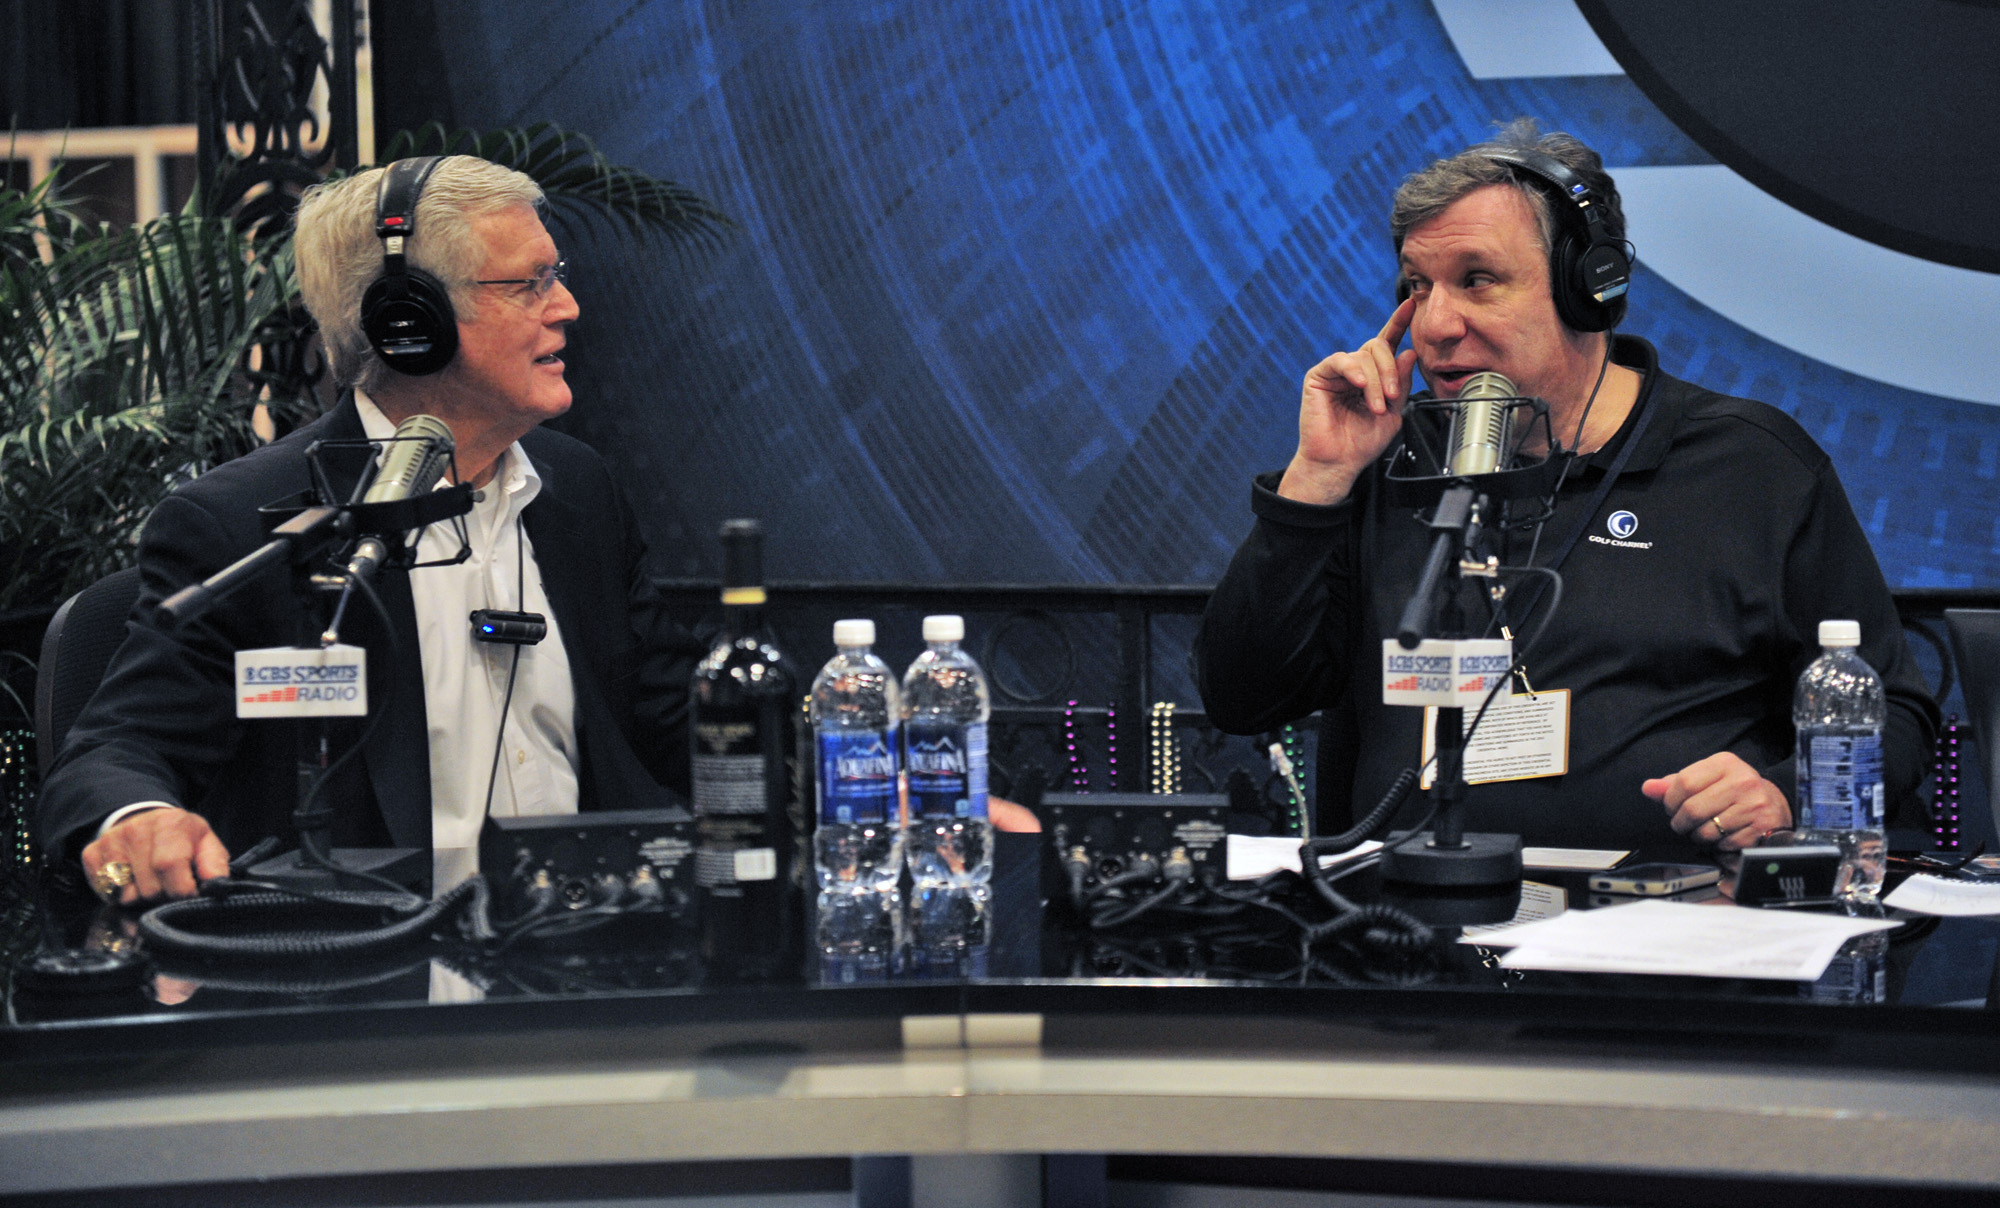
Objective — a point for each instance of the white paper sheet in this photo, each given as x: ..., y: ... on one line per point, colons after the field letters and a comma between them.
x: 1538, y: 901
x: 1683, y: 939
x: 1521, y: 738
x: 1253, y: 856
x: 1581, y: 859
x: 1926, y: 894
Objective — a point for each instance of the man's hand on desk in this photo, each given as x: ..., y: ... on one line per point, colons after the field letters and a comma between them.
x: 1721, y: 802
x: 169, y: 850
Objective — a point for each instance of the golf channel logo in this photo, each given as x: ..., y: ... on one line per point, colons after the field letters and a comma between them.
x: 1621, y: 525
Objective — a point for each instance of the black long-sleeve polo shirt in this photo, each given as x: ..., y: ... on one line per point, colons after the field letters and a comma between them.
x: 1681, y: 632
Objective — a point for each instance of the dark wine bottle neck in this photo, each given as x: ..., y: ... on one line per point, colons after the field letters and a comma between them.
x: 741, y: 620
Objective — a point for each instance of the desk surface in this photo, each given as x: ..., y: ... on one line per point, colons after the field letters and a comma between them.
x: 1052, y: 1040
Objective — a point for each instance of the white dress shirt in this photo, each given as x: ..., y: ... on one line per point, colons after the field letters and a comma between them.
x: 465, y: 681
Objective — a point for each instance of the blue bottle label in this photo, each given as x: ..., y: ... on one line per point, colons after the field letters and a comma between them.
x: 1840, y: 781
x: 946, y: 764
x: 857, y: 777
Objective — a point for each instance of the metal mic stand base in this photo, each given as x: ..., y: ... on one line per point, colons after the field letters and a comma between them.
x: 1460, y: 906
x: 66, y: 973
x: 1485, y: 859
x: 406, y: 866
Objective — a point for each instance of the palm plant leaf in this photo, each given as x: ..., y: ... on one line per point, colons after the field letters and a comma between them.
x: 577, y: 176
x: 117, y: 370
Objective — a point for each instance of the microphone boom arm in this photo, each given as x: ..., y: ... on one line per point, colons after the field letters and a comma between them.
x: 296, y: 540
x: 1456, y: 522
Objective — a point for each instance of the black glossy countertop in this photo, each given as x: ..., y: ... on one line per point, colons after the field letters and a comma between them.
x: 622, y: 1048
x: 1936, y: 975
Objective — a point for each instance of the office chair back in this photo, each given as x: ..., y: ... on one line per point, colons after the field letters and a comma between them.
x: 85, y: 632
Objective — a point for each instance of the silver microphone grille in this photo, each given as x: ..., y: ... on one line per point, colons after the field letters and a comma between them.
x: 1481, y: 424
x: 412, y: 463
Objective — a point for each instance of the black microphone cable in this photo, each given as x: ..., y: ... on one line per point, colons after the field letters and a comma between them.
x: 311, y: 817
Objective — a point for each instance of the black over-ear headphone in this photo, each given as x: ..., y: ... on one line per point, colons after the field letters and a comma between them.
x: 407, y: 313
x: 1589, y: 271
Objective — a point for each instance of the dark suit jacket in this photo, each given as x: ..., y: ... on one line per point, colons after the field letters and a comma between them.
x: 163, y: 726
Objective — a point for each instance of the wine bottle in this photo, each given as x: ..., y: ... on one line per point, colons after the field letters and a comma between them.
x: 744, y: 728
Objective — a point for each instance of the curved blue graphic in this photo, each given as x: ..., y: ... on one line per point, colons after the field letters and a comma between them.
x: 1024, y: 291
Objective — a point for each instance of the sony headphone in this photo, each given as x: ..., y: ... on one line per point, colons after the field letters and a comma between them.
x: 1589, y: 271
x: 406, y: 314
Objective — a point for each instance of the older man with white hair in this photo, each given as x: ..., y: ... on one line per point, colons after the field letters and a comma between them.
x: 438, y: 292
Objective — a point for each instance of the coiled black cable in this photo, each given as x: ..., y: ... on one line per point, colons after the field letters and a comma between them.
x: 1384, y: 809
x: 252, y: 920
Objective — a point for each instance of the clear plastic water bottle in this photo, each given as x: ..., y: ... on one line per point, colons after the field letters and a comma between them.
x: 860, y: 936
x: 1858, y: 973
x: 945, y: 707
x: 1838, y: 712
x: 858, y: 841
x: 950, y: 932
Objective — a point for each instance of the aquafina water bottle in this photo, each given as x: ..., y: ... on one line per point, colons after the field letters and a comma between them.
x: 1838, y: 712
x: 858, y: 835
x: 945, y: 707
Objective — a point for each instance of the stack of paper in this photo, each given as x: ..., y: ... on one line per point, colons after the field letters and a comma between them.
x: 1253, y: 856
x: 1538, y: 901
x: 1681, y: 938
x: 1925, y: 894
x: 1581, y: 859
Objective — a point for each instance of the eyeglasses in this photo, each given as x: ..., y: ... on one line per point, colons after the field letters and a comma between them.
x: 542, y: 282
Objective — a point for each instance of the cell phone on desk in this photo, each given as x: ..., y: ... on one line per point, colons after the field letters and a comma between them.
x: 1654, y: 880
x: 1700, y: 893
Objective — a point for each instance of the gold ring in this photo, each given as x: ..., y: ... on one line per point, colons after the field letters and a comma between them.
x: 110, y: 877
x: 1721, y: 831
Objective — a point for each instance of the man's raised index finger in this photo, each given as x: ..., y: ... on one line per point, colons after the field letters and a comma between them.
x: 1398, y: 324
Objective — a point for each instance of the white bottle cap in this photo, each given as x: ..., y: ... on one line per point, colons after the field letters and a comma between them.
x: 944, y: 629
x: 854, y: 633
x: 1840, y: 633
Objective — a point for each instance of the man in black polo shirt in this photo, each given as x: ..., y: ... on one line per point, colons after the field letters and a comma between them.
x: 1691, y: 603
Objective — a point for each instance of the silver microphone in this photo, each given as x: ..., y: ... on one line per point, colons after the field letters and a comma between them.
x: 414, y: 461
x: 411, y: 465
x: 1481, y: 424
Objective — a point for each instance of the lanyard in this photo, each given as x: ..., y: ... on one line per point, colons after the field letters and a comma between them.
x: 1597, y: 498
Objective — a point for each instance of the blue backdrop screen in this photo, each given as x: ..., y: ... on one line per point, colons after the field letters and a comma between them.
x: 1023, y: 291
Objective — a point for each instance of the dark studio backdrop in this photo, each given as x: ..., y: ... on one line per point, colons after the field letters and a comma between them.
x: 1023, y: 290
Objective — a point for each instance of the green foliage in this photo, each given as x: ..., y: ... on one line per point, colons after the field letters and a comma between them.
x: 124, y: 354
x: 578, y: 177
x: 118, y: 354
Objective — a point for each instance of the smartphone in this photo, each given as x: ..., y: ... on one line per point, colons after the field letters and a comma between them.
x: 1700, y: 893
x: 1654, y: 880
